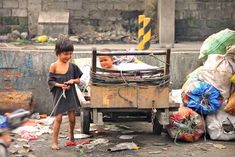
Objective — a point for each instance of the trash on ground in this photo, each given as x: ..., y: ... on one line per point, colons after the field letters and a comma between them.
x: 24, y: 149
x: 62, y: 136
x: 47, y: 121
x: 83, y: 142
x: 128, y: 131
x: 111, y: 127
x: 81, y: 136
x: 70, y: 143
x: 42, y: 38
x: 160, y: 144
x: 165, y: 149
x: 35, y: 116
x: 124, y: 127
x: 99, y: 141
x: 219, y: 146
x: 124, y: 146
x: 28, y: 136
x: 126, y: 137
x: 43, y: 116
x: 156, y: 152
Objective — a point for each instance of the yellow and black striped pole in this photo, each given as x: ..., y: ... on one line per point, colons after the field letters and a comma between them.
x: 141, y: 32
x: 147, y: 33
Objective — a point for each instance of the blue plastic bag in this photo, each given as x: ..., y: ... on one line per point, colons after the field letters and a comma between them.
x: 3, y: 122
x: 202, y: 97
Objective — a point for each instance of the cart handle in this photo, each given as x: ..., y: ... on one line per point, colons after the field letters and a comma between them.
x: 121, y: 53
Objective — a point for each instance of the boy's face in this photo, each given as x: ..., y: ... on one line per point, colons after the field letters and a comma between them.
x: 6, y: 138
x: 65, y: 56
x: 106, y: 61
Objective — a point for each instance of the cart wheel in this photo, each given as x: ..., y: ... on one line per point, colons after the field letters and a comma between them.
x: 85, y: 121
x: 157, y: 127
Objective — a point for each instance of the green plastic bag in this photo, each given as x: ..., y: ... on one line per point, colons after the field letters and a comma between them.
x: 217, y: 43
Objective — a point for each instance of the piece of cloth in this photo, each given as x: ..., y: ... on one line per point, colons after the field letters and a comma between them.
x: 71, y: 102
x: 70, y: 143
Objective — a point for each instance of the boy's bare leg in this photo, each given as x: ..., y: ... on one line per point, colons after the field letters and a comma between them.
x: 71, y: 115
x: 56, y: 129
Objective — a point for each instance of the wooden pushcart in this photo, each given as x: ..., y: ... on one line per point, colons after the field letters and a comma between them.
x: 128, y: 99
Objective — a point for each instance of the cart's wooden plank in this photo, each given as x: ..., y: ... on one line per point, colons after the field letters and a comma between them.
x: 143, y: 97
x: 153, y: 97
x: 113, y: 96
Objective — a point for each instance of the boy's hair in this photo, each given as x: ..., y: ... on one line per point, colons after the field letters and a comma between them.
x: 106, y: 50
x: 63, y: 44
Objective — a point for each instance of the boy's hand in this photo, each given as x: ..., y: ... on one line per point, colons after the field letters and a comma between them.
x: 69, y: 82
x: 65, y: 87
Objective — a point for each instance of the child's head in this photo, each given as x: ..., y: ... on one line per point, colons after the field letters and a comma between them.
x: 64, y: 49
x: 106, y: 61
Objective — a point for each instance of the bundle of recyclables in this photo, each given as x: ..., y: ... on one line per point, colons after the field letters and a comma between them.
x: 140, y: 73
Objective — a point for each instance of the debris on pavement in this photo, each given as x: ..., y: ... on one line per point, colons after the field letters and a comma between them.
x: 27, y: 135
x: 126, y: 137
x: 81, y: 136
x: 99, y: 141
x: 156, y: 152
x: 124, y: 146
x: 160, y: 144
x: 219, y: 146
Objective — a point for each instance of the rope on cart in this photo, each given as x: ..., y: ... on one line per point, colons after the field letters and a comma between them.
x: 112, y: 79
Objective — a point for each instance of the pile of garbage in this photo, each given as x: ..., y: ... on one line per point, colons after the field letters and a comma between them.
x: 209, y: 90
x: 87, y: 37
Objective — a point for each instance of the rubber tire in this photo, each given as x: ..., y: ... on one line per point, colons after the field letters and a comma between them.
x: 157, y: 127
x: 85, y: 119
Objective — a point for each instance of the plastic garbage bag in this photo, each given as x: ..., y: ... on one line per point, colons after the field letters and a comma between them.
x: 221, y: 126
x: 217, y: 71
x: 217, y: 43
x: 201, y: 97
x: 230, y: 107
x: 3, y: 123
x: 185, y: 125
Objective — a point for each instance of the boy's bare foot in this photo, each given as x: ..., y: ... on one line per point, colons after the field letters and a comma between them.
x: 55, y: 147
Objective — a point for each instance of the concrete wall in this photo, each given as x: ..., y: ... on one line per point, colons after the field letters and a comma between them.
x: 13, y: 15
x: 195, y: 19
x: 27, y: 70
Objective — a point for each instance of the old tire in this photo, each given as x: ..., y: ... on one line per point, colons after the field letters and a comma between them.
x: 157, y: 127
x: 85, y: 121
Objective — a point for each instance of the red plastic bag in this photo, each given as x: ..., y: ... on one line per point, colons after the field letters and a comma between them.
x: 186, y: 125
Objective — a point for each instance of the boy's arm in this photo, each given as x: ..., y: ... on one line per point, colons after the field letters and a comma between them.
x: 51, y: 80
x: 77, y: 75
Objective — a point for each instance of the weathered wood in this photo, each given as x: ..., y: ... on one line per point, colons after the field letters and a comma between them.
x: 153, y: 97
x: 143, y: 97
x: 113, y: 96
x: 11, y: 101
